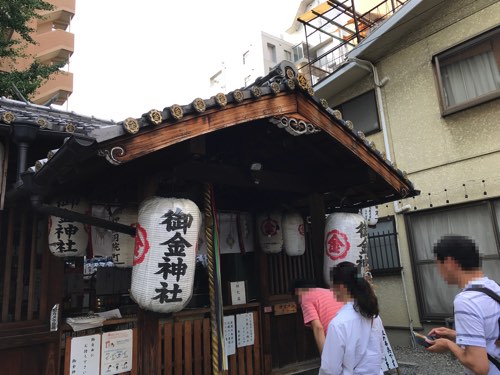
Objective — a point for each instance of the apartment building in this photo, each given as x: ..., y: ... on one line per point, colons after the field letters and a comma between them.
x: 421, y: 81
x: 54, y: 43
x: 254, y: 59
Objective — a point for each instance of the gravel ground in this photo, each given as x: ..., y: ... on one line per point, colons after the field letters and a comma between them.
x: 418, y: 361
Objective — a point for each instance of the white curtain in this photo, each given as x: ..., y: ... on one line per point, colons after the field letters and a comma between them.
x: 474, y: 222
x: 470, y: 78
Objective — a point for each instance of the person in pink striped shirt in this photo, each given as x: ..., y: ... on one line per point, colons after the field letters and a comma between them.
x: 319, y: 306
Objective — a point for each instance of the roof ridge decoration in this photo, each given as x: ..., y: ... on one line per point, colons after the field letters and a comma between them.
x: 284, y: 76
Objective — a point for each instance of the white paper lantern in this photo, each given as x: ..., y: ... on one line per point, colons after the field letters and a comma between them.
x: 68, y: 238
x: 294, y: 239
x: 346, y: 240
x: 270, y: 232
x: 124, y: 244
x: 371, y: 215
x: 165, y: 254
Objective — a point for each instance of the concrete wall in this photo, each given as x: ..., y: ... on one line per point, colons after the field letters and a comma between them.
x: 437, y: 152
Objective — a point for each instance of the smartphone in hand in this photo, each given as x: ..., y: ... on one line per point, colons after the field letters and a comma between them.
x: 421, y: 339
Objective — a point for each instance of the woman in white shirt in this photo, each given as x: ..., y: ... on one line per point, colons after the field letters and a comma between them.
x: 354, y: 343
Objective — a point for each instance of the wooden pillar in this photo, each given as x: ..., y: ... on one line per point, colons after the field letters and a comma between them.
x: 149, y: 345
x: 317, y: 210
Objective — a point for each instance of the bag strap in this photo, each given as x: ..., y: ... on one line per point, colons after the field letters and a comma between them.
x: 496, y: 297
x: 484, y: 290
x: 494, y: 360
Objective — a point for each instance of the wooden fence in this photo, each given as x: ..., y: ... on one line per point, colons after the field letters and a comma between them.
x: 186, y: 349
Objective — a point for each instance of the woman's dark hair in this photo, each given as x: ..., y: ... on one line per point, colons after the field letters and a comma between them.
x: 365, y: 301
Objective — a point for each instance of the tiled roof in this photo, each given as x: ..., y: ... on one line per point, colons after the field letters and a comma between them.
x: 283, y: 77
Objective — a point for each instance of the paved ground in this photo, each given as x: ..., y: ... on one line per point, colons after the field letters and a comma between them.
x: 412, y: 361
x: 418, y: 361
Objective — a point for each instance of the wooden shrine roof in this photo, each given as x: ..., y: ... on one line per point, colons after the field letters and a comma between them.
x: 302, y: 145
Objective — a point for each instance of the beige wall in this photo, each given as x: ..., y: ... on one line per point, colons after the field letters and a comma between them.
x: 438, y: 153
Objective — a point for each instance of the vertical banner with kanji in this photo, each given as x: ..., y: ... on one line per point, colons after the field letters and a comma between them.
x: 85, y: 355
x: 389, y: 358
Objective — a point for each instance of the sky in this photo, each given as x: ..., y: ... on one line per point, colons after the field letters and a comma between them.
x: 132, y: 56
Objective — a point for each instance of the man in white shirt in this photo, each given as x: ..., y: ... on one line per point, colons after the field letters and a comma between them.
x: 476, y: 314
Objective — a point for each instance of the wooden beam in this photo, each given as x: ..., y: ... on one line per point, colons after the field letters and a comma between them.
x: 232, y: 176
x: 317, y: 209
x: 152, y: 139
x: 352, y: 144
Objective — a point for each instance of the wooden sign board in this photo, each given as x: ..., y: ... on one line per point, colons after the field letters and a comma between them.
x: 285, y: 308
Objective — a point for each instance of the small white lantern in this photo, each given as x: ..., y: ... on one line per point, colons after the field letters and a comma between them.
x: 270, y: 232
x: 165, y: 254
x: 371, y: 215
x: 346, y: 240
x: 68, y: 238
x: 294, y: 239
x: 123, y: 244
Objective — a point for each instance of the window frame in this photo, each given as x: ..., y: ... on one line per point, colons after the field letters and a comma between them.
x: 340, y: 108
x: 427, y: 316
x: 462, y: 48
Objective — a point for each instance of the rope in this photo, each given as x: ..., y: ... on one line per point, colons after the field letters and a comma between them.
x: 213, y: 281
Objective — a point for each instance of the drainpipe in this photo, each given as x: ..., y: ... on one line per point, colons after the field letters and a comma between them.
x: 368, y: 65
x: 23, y: 134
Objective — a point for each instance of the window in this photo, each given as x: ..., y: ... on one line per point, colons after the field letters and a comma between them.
x: 288, y: 55
x: 468, y: 74
x: 475, y: 220
x: 298, y: 52
x: 245, y: 57
x: 247, y: 80
x: 271, y: 48
x: 383, y: 248
x: 362, y: 111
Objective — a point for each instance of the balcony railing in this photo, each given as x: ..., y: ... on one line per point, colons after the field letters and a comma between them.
x: 61, y: 15
x: 56, y: 46
x: 334, y: 28
x: 57, y: 89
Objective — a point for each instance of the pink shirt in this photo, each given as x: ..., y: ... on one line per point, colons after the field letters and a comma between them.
x: 319, y: 304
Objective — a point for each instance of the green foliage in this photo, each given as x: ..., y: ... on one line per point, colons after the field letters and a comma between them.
x: 14, y: 18
x: 27, y: 81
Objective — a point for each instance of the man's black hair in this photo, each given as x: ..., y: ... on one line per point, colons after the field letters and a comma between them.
x: 460, y: 248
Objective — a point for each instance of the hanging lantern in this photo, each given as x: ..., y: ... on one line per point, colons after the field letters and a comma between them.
x: 270, y: 232
x: 294, y: 239
x: 68, y: 238
x: 371, y: 215
x: 123, y: 244
x: 165, y: 253
x: 346, y: 240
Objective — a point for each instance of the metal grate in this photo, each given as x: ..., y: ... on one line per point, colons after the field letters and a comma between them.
x: 383, y: 252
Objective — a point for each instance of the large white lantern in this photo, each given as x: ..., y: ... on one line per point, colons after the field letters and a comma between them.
x: 346, y: 240
x: 293, y: 234
x: 68, y: 238
x: 270, y: 233
x: 165, y: 254
x: 123, y: 244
